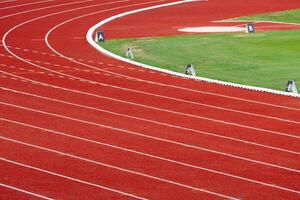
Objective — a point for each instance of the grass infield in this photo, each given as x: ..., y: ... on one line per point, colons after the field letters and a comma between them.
x: 266, y: 59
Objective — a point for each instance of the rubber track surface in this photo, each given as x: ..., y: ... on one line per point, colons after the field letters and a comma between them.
x: 75, y: 124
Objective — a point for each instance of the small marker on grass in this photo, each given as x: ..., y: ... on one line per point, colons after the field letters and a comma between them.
x: 190, y: 70
x: 128, y: 52
x: 291, y: 87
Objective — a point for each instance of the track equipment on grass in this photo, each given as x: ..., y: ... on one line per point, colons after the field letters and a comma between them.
x: 128, y: 52
x: 291, y: 87
x: 250, y: 28
x: 190, y: 70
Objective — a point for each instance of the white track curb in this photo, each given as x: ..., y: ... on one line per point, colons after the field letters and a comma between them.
x: 90, y: 39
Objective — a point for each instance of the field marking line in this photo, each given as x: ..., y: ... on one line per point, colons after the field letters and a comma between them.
x: 70, y: 178
x: 144, y: 154
x: 87, y: 80
x: 26, y: 4
x: 153, y: 121
x: 151, y: 137
x: 120, y: 168
x: 147, y: 93
x: 24, y: 191
x: 43, y: 8
x: 164, y: 71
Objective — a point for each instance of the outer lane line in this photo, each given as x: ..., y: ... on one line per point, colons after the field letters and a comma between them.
x: 152, y: 137
x: 26, y: 4
x: 8, y: 1
x: 121, y: 169
x: 71, y: 178
x: 44, y: 8
x: 154, y: 122
x: 24, y: 191
x: 144, y: 154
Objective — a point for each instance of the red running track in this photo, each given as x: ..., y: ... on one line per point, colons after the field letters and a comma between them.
x: 89, y: 127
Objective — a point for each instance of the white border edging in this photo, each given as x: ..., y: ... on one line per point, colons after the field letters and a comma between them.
x: 89, y: 37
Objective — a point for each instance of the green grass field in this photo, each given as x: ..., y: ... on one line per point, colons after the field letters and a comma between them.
x: 267, y: 59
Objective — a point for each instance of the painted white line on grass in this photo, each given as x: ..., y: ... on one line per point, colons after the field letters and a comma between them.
x: 71, y: 178
x: 147, y: 155
x: 90, y: 39
x: 154, y: 122
x: 151, y: 137
x: 24, y: 191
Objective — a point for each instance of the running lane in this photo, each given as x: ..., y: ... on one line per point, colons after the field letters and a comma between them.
x: 99, y: 128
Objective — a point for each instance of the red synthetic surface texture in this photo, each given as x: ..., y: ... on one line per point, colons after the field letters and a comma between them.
x: 95, y: 128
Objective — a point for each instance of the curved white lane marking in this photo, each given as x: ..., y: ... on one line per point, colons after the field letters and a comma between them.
x: 156, y: 122
x: 26, y: 4
x: 43, y: 8
x: 70, y: 178
x: 90, y: 39
x: 25, y: 191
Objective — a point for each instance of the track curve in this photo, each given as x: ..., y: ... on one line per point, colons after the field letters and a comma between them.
x: 73, y: 120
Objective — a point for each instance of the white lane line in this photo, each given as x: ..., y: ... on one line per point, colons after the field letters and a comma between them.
x: 26, y: 4
x: 152, y: 137
x: 145, y: 154
x: 122, y: 169
x: 151, y: 121
x: 44, y: 8
x: 24, y: 191
x: 156, y: 108
x: 8, y: 1
x: 71, y: 178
